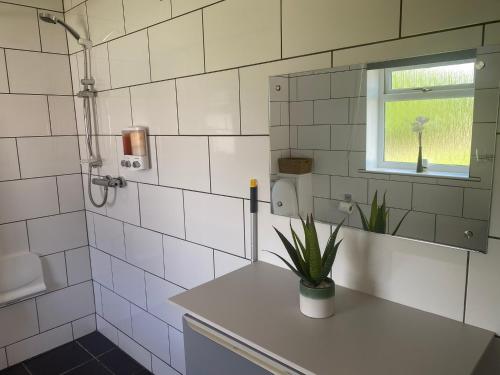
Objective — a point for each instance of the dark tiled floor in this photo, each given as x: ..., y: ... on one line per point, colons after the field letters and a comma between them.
x: 93, y: 354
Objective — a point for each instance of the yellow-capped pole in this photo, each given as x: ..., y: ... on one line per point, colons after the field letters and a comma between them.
x: 253, y: 219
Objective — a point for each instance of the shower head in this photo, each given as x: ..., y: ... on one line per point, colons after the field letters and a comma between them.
x: 50, y: 18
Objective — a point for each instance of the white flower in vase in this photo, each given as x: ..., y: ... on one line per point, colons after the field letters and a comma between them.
x: 418, y: 127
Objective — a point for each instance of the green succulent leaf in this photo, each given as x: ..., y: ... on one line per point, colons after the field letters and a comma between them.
x: 400, y: 222
x: 364, y: 220
x: 288, y: 265
x: 292, y: 252
x: 374, y: 211
x: 327, y: 266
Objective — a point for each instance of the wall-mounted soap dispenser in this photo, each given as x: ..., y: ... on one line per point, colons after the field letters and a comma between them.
x: 135, y: 148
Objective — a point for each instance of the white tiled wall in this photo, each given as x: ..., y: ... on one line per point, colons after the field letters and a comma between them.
x: 196, y: 73
x: 41, y: 195
x: 212, y: 61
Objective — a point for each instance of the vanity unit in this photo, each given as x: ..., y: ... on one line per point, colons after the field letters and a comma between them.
x: 248, y: 323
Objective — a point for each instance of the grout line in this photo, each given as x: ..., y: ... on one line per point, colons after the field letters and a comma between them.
x: 239, y: 99
x: 33, y: 50
x: 203, y: 39
x: 6, y: 70
x: 39, y: 30
x: 483, y: 32
x: 58, y: 199
x: 400, y: 17
x: 149, y: 57
x: 281, y: 28
x: 184, y: 214
x: 209, y: 166
x: 29, y: 6
x: 176, y: 109
x: 466, y: 286
x: 18, y: 162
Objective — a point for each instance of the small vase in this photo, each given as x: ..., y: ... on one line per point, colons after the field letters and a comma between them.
x: 317, y: 302
x: 420, y: 166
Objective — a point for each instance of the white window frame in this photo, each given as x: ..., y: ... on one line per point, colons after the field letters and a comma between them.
x: 387, y: 94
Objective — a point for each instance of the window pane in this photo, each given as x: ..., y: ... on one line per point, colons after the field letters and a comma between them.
x: 446, y: 138
x: 446, y: 75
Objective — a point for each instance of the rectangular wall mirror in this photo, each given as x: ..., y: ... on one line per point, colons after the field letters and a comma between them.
x: 420, y: 131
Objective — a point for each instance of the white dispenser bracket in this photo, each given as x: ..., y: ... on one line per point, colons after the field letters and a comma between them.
x: 135, y: 148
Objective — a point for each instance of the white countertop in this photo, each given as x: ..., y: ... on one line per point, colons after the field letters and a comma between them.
x: 258, y: 305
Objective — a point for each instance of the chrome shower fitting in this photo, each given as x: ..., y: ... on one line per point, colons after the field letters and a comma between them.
x: 88, y: 94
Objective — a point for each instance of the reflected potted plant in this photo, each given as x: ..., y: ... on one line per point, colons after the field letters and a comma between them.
x: 377, y: 222
x: 317, y: 289
x: 418, y: 127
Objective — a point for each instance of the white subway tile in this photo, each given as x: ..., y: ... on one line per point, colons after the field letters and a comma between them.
x: 209, y: 104
x: 187, y: 264
x: 110, y: 332
x: 129, y: 60
x: 482, y: 307
x: 178, y: 360
x: 477, y: 204
x: 38, y: 73
x: 176, y: 47
x: 123, y: 203
x: 357, y: 110
x: 18, y: 321
x: 45, y: 156
x: 65, y: 305
x: 77, y: 19
x: 101, y: 268
x: 445, y: 200
x: 39, y: 344
x: 236, y: 160
x: 70, y: 192
x: 105, y: 20
x: 329, y: 24
x: 485, y: 105
x: 330, y: 162
x: 97, y: 298
x: 13, y: 238
x: 90, y: 227
x: 349, y: 83
x: 495, y: 201
x: 21, y: 122
x: 184, y: 162
x: 84, y: 326
x: 142, y: 14
x: 491, y: 33
x: 19, y: 27
x: 24, y: 199
x: 113, y: 108
x: 78, y: 265
x: 417, y: 46
x: 109, y: 236
x: 226, y: 32
x: 54, y: 271
x: 4, y: 82
x: 116, y: 310
x: 225, y: 263
x: 417, y: 225
x: 161, y: 368
x: 225, y: 233
x: 53, y: 38
x: 357, y: 187
x: 489, y: 75
x: 158, y: 292
x: 392, y: 268
x: 397, y: 194
x: 254, y: 88
x: 184, y: 6
x: 144, y: 249
x: 9, y: 163
x: 321, y: 186
x: 162, y: 209
x: 154, y: 105
x: 128, y: 281
x: 62, y: 115
x: 314, y: 137
x: 134, y: 350
x: 310, y: 87
x: 302, y: 113
x: 151, y: 333
x: 280, y: 137
x: 450, y: 230
x: 52, y: 234
x: 445, y: 15
x: 279, y: 89
x: 331, y: 111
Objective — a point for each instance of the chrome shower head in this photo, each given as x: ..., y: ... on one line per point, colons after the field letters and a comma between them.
x: 50, y: 18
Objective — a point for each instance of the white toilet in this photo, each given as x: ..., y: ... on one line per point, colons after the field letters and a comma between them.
x: 21, y: 276
x: 291, y: 195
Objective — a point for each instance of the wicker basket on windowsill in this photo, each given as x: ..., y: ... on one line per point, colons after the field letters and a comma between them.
x: 295, y: 165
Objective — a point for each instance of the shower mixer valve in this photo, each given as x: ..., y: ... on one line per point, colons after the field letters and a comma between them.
x: 108, y: 181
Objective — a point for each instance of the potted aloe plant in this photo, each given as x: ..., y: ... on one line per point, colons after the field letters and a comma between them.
x: 377, y: 222
x: 317, y: 289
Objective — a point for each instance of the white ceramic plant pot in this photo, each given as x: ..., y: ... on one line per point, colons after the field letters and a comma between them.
x: 317, y: 302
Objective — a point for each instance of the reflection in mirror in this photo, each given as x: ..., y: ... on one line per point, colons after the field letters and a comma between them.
x: 403, y: 147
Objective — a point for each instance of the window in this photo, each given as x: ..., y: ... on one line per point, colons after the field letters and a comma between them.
x: 439, y: 94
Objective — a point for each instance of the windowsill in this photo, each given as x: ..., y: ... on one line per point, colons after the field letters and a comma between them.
x: 429, y: 174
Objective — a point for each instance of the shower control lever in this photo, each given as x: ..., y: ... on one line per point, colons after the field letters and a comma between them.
x: 108, y: 181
